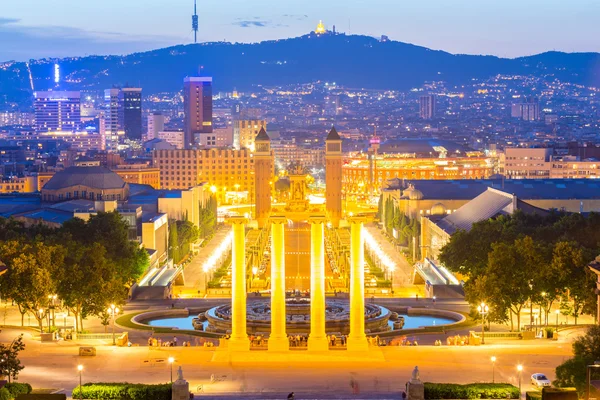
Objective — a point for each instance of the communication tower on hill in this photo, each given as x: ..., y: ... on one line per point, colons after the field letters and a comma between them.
x: 195, y: 23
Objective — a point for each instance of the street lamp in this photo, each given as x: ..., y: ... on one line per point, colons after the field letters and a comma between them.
x: 483, y: 310
x: 171, y: 361
x: 520, y: 369
x: 557, y: 312
x: 493, y: 359
x: 80, y: 368
x: 113, y: 310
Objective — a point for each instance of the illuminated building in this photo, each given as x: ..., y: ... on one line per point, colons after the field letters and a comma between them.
x: 176, y: 138
x: 412, y: 159
x: 93, y: 183
x: 244, y: 132
x: 320, y: 28
x: 540, y: 163
x: 57, y: 111
x: 230, y: 173
x: 156, y: 123
x: 263, y: 176
x: 132, y: 113
x: 140, y: 174
x: 113, y: 118
x: 197, y: 99
x: 26, y: 184
x: 427, y: 106
x: 528, y: 110
x: 220, y: 137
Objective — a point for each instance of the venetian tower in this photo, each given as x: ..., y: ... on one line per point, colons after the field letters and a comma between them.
x: 333, y: 177
x: 263, y: 171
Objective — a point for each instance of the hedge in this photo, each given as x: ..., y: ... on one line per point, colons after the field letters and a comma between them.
x: 17, y: 388
x: 124, y: 391
x: 440, y: 391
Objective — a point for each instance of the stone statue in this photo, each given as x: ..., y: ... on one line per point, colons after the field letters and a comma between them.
x: 415, y: 374
x: 180, y: 374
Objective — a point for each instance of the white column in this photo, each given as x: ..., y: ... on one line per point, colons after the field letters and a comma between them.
x: 239, y: 335
x: 357, y: 340
x: 278, y: 340
x: 317, y: 340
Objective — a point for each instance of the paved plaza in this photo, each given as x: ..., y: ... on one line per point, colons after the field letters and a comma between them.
x: 53, y: 365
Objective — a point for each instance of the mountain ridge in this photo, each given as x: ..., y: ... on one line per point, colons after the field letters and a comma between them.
x: 350, y: 60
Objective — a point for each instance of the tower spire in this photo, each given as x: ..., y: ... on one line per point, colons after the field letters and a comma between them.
x: 195, y: 23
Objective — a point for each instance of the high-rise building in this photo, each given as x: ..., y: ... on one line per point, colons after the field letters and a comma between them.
x: 427, y: 106
x: 57, y: 111
x: 263, y: 176
x: 197, y: 99
x: 114, y: 118
x: 333, y: 177
x: 244, y: 132
x: 527, y: 111
x: 156, y: 123
x: 132, y: 113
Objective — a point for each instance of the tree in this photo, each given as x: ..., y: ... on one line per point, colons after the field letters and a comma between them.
x: 10, y: 365
x: 586, y: 350
x: 173, y: 242
x: 29, y: 280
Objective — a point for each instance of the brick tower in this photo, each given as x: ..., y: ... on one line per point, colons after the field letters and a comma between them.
x: 263, y: 175
x: 333, y: 177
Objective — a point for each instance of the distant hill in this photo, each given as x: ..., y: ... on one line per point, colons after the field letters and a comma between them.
x: 352, y: 61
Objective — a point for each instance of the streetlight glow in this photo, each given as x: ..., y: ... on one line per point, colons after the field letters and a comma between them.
x: 171, y: 361
x: 80, y: 368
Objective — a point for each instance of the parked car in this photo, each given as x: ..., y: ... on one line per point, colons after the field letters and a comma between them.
x: 540, y: 380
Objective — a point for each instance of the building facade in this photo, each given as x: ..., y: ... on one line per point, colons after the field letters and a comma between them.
x: 427, y: 106
x: 156, y: 123
x: 541, y: 163
x: 114, y: 118
x: 132, y: 113
x: 244, y: 132
x: 197, y: 99
x: 57, y: 111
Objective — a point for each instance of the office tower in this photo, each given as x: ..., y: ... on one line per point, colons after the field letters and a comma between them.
x: 427, y: 106
x: 197, y: 99
x: 263, y: 176
x: 333, y: 177
x: 244, y: 132
x: 332, y: 106
x: 132, y: 113
x: 114, y: 118
x: 156, y: 123
x: 57, y: 111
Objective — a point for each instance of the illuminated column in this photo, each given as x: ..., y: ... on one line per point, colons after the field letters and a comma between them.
x: 317, y: 340
x: 357, y: 340
x: 239, y: 336
x: 278, y: 340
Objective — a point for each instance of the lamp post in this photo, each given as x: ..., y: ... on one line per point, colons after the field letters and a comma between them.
x: 171, y: 361
x: 520, y: 369
x: 483, y: 310
x: 80, y: 368
x: 493, y: 359
x: 557, y: 312
x: 113, y: 310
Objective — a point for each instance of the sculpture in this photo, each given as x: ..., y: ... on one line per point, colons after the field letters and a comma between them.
x: 415, y: 374
x: 180, y: 374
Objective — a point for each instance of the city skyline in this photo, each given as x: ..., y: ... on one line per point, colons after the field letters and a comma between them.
x: 501, y: 29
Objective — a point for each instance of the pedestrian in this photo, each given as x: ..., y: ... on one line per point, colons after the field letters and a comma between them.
x: 174, y: 340
x: 291, y: 396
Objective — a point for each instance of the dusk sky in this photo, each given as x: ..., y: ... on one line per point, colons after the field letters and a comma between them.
x: 508, y: 28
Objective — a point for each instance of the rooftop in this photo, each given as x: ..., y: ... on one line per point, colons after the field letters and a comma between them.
x: 94, y: 177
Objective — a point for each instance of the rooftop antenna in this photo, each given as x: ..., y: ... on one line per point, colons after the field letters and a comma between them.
x: 195, y: 23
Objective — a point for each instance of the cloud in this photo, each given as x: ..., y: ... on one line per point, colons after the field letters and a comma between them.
x: 5, y: 21
x: 20, y: 42
x: 252, y: 23
x: 298, y: 17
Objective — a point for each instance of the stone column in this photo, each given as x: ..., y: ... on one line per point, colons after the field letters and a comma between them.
x: 317, y: 340
x: 239, y: 336
x: 278, y: 340
x: 357, y: 340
